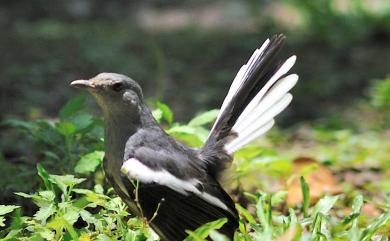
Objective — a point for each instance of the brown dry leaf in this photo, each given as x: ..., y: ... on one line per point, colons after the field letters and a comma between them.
x: 319, y: 178
x: 370, y: 210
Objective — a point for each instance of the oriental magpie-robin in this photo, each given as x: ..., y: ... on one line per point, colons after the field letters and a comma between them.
x: 178, y: 182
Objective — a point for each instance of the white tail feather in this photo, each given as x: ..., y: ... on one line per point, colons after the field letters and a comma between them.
x: 252, y: 130
x: 286, y: 66
x: 266, y: 116
x: 233, y: 147
x: 258, y: 116
x: 277, y: 92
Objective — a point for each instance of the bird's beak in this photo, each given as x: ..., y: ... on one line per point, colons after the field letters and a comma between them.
x: 82, y: 84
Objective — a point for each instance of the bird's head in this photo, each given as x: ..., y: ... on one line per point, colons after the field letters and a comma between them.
x: 113, y: 92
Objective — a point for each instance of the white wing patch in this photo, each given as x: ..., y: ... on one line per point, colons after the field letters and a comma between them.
x: 134, y: 169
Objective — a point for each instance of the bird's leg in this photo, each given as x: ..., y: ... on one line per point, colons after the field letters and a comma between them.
x: 156, y: 212
x: 136, y: 200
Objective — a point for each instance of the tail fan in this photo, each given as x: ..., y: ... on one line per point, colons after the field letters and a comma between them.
x: 259, y: 92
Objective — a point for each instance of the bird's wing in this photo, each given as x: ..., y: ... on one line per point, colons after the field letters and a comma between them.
x: 259, y: 92
x: 206, y: 189
x: 185, y: 196
x: 177, y: 212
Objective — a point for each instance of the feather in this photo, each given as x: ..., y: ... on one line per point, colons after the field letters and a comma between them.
x: 241, y: 75
x: 257, y: 128
x: 257, y: 94
x: 277, y: 92
x: 136, y: 170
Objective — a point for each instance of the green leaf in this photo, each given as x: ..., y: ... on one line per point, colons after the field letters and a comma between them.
x: 264, y: 215
x: 157, y: 114
x: 380, y: 93
x: 89, y: 162
x: 4, y: 209
x: 193, y: 136
x: 357, y: 203
x: 70, y: 229
x: 45, y: 177
x: 88, y: 217
x: 12, y: 235
x: 167, y: 114
x: 356, y: 207
x: 204, y: 118
x: 47, y: 195
x: 216, y: 236
x: 25, y: 195
x: 278, y: 197
x: 293, y: 217
x: 66, y: 128
x: 44, y: 213
x: 249, y: 152
x: 306, y: 196
x: 192, y: 236
x: 103, y: 237
x: 246, y: 214
x: 63, y: 182
x: 82, y: 121
x: 47, y: 234
x: 15, y: 123
x: 71, y: 215
x: 72, y: 106
x: 324, y: 205
x: 203, y: 231
x: 2, y: 219
x: 374, y: 226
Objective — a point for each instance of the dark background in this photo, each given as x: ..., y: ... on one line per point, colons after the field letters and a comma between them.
x: 186, y: 53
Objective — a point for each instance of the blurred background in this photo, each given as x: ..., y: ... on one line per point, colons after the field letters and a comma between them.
x: 185, y: 54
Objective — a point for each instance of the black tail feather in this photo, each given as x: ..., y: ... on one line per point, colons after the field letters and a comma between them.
x: 263, y: 69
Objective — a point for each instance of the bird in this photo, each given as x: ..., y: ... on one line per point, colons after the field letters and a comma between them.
x: 173, y: 186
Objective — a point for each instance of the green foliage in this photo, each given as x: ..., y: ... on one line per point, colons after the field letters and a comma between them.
x: 89, y: 162
x: 163, y: 112
x: 61, y: 145
x: 320, y: 223
x: 204, y: 231
x: 380, y: 94
x: 204, y: 118
x: 329, y: 22
x: 305, y: 195
x: 4, y: 209
x: 57, y: 144
x: 195, y: 132
x: 69, y: 213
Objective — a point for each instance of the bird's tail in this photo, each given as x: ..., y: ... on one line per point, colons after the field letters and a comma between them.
x: 258, y: 93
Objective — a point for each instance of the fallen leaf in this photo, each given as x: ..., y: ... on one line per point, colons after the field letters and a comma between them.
x: 319, y: 178
x: 370, y: 210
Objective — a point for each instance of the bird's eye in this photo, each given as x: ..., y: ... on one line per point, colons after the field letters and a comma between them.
x: 117, y: 86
